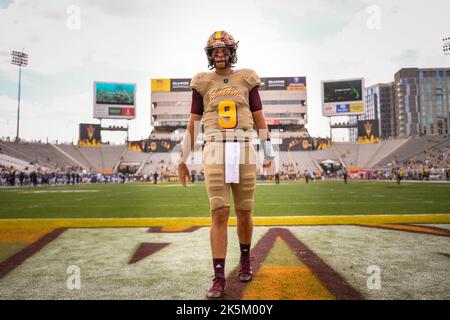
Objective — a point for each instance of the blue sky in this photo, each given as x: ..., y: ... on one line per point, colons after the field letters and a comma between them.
x: 133, y: 41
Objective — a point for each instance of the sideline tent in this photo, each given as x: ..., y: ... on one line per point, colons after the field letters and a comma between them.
x: 330, y: 162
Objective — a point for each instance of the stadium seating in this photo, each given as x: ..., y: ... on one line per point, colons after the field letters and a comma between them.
x: 134, y: 156
x: 18, y: 164
x: 94, y: 156
x: 297, y: 161
x: 40, y: 153
x: 348, y: 152
x: 387, y: 147
x: 14, y: 150
x: 110, y: 155
x: 414, y: 147
x: 431, y: 151
x: 73, y: 151
x: 366, y: 153
x: 159, y: 162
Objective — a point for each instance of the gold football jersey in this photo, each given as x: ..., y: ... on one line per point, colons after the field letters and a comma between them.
x: 226, y: 99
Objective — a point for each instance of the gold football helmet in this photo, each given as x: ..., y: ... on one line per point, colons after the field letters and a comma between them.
x: 221, y: 39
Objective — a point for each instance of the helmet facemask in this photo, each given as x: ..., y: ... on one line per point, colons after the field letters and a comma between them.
x: 221, y: 39
x: 228, y: 60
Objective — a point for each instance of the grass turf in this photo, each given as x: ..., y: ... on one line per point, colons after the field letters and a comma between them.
x: 171, y: 200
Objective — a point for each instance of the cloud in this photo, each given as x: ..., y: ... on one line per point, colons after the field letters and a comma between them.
x: 5, y: 3
x: 311, y: 22
x: 407, y: 57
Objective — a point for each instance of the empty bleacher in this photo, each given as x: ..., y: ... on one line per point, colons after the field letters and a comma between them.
x: 95, y: 159
x: 387, y: 147
x: 348, y: 152
x: 17, y: 164
x: 324, y: 154
x: 134, y: 156
x: 366, y: 152
x: 94, y: 156
x: 159, y: 162
x: 301, y: 160
x: 41, y: 153
x: 110, y: 155
x: 14, y: 150
x: 74, y: 152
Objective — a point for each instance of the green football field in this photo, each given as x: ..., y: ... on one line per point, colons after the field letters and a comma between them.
x: 317, y: 241
x: 171, y: 200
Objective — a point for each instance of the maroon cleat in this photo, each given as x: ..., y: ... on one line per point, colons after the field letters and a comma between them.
x: 218, y: 288
x: 245, y: 273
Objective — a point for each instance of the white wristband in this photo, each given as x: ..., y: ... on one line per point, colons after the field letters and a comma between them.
x: 267, y: 147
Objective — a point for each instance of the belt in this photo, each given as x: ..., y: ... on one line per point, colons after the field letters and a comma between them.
x: 235, y: 139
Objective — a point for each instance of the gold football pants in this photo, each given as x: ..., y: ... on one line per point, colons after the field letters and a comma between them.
x: 214, y: 169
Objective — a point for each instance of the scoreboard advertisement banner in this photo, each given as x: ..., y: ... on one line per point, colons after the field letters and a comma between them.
x: 170, y: 85
x: 283, y: 83
x: 114, y: 100
x: 90, y: 135
x: 343, y: 97
x: 179, y: 85
x: 160, y: 85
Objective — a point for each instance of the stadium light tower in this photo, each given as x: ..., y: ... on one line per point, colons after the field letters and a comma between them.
x: 446, y: 46
x: 19, y: 59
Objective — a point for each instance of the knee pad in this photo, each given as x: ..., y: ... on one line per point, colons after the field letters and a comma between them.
x: 216, y: 203
x: 245, y: 205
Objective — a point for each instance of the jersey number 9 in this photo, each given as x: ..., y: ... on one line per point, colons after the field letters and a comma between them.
x: 228, y: 114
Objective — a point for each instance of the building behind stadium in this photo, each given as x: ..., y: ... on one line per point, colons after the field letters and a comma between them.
x: 416, y: 103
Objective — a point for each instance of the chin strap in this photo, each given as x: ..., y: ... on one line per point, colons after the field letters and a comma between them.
x: 220, y: 65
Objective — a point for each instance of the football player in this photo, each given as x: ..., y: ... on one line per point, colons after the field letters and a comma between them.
x: 228, y: 101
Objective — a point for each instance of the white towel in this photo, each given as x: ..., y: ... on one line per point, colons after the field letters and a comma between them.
x: 232, y: 156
